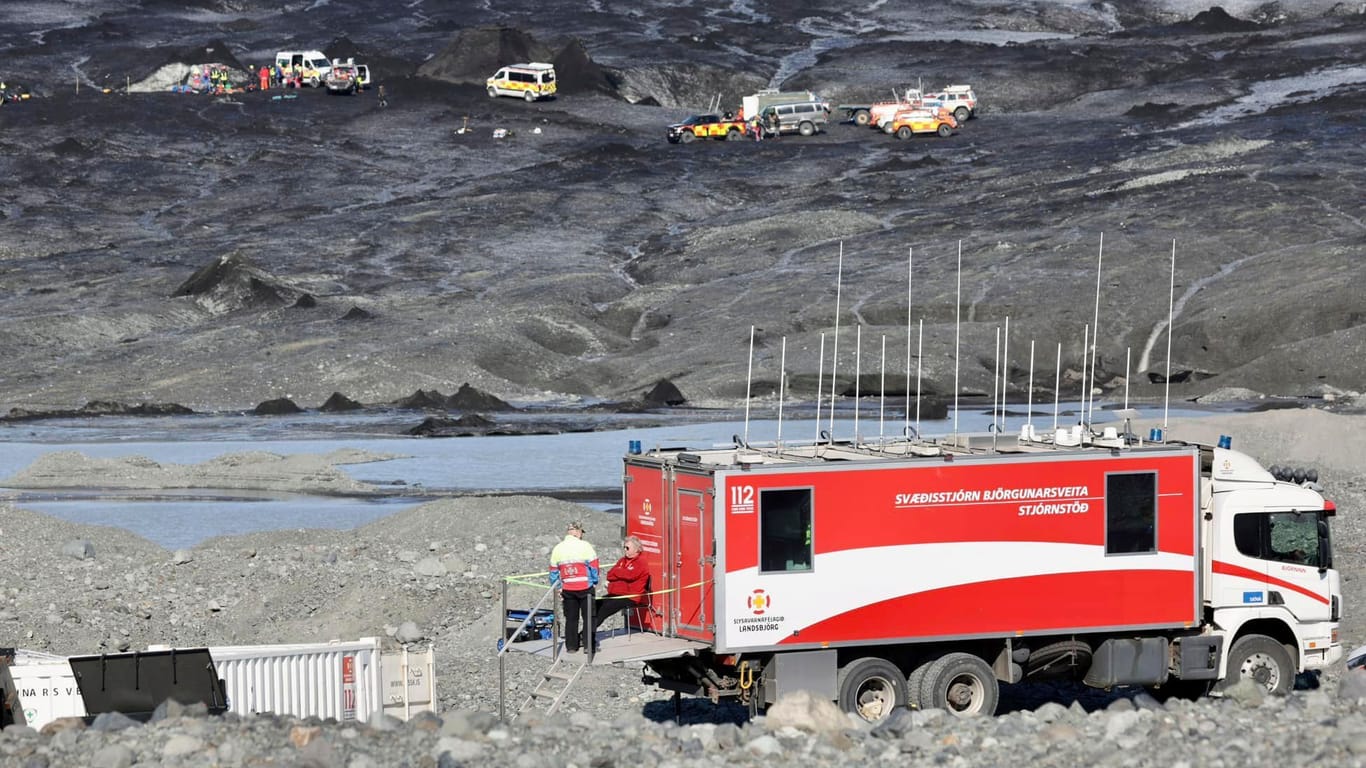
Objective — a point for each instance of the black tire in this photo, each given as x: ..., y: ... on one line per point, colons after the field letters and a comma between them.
x: 861, y: 117
x: 871, y: 687
x: 807, y: 128
x: 904, y: 132
x: 913, y: 683
x: 686, y: 137
x: 962, y: 684
x: 961, y: 115
x: 529, y: 96
x: 1264, y: 661
x: 945, y: 130
x: 493, y: 92
x: 734, y: 134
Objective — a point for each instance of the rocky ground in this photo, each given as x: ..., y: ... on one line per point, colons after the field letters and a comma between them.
x: 433, y: 575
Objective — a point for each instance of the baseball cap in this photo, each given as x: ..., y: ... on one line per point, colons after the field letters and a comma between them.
x: 575, y: 525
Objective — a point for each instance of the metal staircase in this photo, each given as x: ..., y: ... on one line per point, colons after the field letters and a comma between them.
x: 555, y: 683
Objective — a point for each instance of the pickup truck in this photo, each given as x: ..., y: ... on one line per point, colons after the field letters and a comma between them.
x: 877, y: 112
x: 342, y: 79
x: 706, y: 127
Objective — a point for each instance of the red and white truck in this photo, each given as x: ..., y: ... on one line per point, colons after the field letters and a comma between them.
x: 924, y: 573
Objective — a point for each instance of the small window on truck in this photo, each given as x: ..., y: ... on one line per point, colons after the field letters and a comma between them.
x: 1130, y: 513
x: 785, y: 530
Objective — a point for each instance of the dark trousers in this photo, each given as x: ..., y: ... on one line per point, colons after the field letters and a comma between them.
x: 610, y: 606
x: 575, y: 616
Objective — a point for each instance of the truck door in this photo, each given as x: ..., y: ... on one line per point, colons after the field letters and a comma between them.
x: 691, y: 576
x: 1283, y: 548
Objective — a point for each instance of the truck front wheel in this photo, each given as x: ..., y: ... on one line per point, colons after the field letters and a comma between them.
x: 1262, y: 660
x: 961, y: 683
x: 904, y: 132
x: 871, y: 688
x: 945, y: 131
x: 961, y: 115
x: 861, y: 117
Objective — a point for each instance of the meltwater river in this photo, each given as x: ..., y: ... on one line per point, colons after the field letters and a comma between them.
x: 586, y: 464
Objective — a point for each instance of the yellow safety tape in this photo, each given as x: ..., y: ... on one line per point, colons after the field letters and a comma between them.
x: 523, y: 580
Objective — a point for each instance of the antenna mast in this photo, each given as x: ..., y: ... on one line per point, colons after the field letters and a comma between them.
x: 820, y: 379
x: 957, y: 331
x: 1057, y: 385
x: 749, y: 379
x: 910, y: 262
x: 835, y: 342
x: 1171, y: 303
x: 782, y: 389
x: 882, y: 396
x: 858, y: 373
x: 1095, y: 338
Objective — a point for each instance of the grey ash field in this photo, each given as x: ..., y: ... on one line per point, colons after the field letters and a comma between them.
x: 592, y: 258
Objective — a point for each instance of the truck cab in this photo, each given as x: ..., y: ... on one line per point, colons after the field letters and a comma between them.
x: 1269, y: 571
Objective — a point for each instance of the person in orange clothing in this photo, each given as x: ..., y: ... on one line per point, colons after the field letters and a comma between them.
x: 264, y: 74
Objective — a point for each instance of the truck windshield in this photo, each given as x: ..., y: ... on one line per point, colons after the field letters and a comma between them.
x: 1284, y: 537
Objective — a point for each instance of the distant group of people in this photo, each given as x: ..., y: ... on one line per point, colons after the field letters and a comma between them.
x: 767, y: 123
x: 574, y: 570
x: 211, y: 78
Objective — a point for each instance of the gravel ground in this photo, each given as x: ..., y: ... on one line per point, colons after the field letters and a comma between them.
x: 440, y: 567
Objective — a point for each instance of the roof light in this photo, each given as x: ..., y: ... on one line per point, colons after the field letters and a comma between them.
x: 1225, y: 441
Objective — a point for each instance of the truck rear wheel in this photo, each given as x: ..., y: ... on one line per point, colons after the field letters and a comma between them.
x: 861, y: 117
x: 529, y: 96
x: 871, y: 688
x: 961, y: 115
x: 904, y: 132
x: 961, y: 683
x: 806, y: 128
x: 913, y: 683
x: 1262, y: 660
x: 945, y: 131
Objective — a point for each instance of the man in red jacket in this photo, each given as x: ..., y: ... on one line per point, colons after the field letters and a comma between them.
x: 627, y: 583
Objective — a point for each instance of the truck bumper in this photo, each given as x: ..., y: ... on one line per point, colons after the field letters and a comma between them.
x: 1320, y: 645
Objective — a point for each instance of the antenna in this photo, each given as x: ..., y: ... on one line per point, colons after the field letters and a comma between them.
x: 882, y: 397
x: 919, y: 356
x: 1085, y: 345
x: 1029, y: 409
x: 910, y: 262
x: 749, y: 379
x: 1127, y: 352
x: 1171, y: 299
x: 835, y: 342
x: 1057, y: 386
x: 1005, y: 370
x: 820, y: 379
x: 957, y: 331
x: 782, y: 389
x: 995, y: 387
x: 858, y: 374
x: 1095, y: 338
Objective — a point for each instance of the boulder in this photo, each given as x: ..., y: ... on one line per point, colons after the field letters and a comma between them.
x: 280, y: 406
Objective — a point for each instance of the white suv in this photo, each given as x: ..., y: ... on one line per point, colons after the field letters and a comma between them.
x: 958, y: 99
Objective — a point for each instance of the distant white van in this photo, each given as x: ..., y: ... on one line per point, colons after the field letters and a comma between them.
x: 315, y: 65
x: 526, y: 81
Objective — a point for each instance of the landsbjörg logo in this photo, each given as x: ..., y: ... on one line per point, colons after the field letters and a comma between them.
x: 759, y: 601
